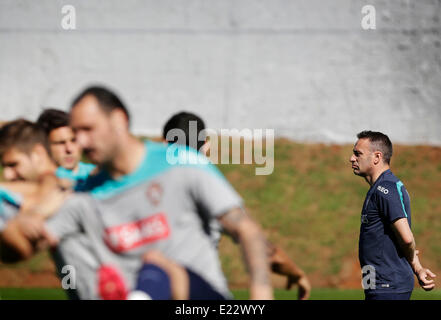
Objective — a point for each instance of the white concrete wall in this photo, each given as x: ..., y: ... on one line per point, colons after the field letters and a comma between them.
x: 305, y: 68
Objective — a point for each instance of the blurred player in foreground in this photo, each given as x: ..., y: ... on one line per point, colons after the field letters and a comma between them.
x: 63, y: 150
x: 185, y: 124
x: 25, y: 157
x: 387, y: 251
x: 141, y: 214
x: 27, y: 167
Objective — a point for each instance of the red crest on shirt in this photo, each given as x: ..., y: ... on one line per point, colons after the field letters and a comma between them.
x: 154, y: 193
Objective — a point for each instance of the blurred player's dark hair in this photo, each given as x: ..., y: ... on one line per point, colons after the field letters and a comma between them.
x: 379, y: 142
x: 107, y: 100
x: 23, y: 135
x: 51, y: 119
x: 181, y: 121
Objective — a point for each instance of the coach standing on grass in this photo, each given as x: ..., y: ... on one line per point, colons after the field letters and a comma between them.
x: 387, y: 252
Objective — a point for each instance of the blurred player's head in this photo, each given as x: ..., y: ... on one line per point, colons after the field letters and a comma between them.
x: 24, y: 151
x: 189, y: 124
x: 101, y: 122
x: 372, y: 150
x: 63, y: 147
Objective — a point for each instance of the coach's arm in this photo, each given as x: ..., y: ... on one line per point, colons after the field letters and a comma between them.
x: 407, y: 243
x: 253, y: 244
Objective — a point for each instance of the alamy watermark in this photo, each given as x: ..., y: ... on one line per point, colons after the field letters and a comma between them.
x: 69, y: 281
x: 368, y: 21
x: 369, y: 277
x: 258, y: 147
x: 69, y: 19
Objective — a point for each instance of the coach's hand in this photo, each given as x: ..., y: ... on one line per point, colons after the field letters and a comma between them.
x: 423, y: 279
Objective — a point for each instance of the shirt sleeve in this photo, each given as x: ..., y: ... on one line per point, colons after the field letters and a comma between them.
x: 392, y: 198
x: 212, y: 191
x: 68, y: 220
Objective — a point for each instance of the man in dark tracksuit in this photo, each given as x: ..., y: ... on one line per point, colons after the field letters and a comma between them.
x: 387, y: 252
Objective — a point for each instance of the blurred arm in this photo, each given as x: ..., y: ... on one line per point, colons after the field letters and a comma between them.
x: 283, y: 265
x: 253, y: 245
x: 15, y: 245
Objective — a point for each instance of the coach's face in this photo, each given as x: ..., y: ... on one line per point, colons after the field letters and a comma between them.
x: 64, y: 148
x: 362, y: 158
x: 19, y: 166
x: 94, y: 130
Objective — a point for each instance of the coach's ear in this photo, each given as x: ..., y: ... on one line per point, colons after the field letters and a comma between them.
x: 378, y: 157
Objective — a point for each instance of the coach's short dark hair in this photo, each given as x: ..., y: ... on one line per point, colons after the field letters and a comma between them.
x: 23, y: 135
x: 379, y: 142
x: 51, y: 119
x: 181, y: 121
x: 107, y: 100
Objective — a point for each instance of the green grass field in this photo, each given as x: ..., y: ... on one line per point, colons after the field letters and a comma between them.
x: 317, y: 294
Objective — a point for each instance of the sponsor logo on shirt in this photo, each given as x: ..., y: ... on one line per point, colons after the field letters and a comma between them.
x: 382, y: 189
x: 130, y: 235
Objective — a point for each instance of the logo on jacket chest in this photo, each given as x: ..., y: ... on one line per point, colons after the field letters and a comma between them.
x: 383, y: 189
